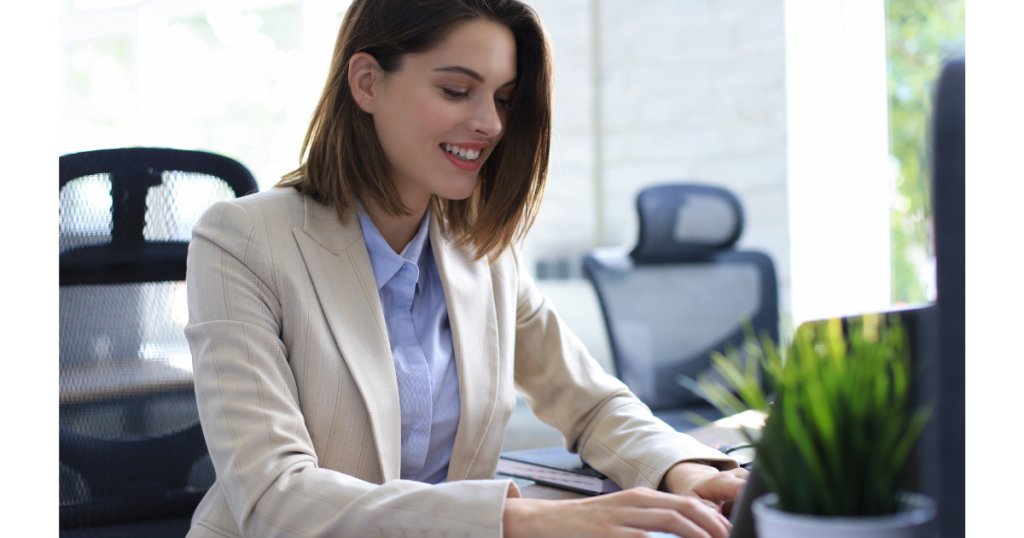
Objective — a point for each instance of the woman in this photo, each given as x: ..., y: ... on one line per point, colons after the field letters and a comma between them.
x: 357, y: 332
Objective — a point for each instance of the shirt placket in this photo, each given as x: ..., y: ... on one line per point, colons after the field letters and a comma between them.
x: 416, y: 402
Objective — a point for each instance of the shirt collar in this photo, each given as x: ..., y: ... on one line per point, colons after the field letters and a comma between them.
x: 386, y: 263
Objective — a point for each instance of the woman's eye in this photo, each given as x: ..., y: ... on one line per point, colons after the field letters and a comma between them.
x: 452, y: 94
x: 504, y: 103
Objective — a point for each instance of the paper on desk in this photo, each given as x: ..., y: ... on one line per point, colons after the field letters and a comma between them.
x: 749, y: 419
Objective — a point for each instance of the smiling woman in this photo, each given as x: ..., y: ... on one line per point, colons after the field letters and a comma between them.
x: 446, y: 107
x: 359, y: 332
x: 392, y: 99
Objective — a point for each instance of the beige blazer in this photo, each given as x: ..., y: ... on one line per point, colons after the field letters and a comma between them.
x: 298, y: 397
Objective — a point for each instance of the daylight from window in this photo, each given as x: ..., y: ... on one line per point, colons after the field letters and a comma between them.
x: 647, y: 93
x: 921, y: 34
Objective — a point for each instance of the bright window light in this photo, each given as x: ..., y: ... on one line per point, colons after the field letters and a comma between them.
x: 839, y: 167
x: 101, y: 4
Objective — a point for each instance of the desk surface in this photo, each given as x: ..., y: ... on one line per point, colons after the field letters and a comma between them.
x: 726, y: 431
x: 114, y: 378
x: 111, y: 379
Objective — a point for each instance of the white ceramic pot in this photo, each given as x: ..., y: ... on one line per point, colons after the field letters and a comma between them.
x: 916, y: 521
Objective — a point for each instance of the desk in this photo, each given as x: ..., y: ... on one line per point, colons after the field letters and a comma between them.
x: 108, y: 379
x: 726, y: 431
x: 112, y: 399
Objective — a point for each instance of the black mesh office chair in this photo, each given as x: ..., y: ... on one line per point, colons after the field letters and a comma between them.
x: 133, y: 461
x: 682, y: 293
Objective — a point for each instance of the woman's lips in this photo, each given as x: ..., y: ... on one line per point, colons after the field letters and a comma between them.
x: 469, y: 166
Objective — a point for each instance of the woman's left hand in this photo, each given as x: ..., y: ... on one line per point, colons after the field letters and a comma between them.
x: 705, y: 482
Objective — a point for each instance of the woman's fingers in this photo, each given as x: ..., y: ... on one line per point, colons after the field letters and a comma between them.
x: 703, y: 513
x: 723, y: 486
x: 650, y: 498
x: 621, y: 515
x: 739, y: 472
x: 697, y: 513
x: 665, y: 520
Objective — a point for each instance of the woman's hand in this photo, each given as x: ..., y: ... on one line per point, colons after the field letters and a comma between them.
x: 705, y: 482
x: 625, y: 514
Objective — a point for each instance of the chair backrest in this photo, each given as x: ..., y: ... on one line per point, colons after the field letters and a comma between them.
x: 131, y: 447
x: 683, y: 292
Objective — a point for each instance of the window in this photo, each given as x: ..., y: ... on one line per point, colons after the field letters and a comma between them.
x: 231, y: 78
x: 920, y: 37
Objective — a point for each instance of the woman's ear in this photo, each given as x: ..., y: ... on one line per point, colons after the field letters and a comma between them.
x: 363, y: 76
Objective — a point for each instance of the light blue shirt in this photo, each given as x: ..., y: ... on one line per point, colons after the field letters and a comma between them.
x: 416, y: 315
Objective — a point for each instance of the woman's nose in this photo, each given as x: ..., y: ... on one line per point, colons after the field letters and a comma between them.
x: 486, y: 120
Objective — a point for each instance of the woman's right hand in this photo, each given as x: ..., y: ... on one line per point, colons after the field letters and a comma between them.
x: 625, y: 514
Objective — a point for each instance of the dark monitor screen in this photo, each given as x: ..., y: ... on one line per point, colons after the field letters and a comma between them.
x: 948, y: 195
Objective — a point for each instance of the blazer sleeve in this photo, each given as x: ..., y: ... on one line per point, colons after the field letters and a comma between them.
x: 601, y: 419
x: 260, y: 447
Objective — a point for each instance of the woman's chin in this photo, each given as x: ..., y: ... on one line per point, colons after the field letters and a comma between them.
x: 457, y: 192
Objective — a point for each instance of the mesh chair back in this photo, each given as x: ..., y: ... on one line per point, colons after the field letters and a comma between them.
x: 682, y: 293
x: 130, y: 443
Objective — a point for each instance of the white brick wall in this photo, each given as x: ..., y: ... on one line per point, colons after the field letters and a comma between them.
x: 565, y: 226
x: 690, y: 90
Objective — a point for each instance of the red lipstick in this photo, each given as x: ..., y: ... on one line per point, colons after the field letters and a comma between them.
x: 469, y: 166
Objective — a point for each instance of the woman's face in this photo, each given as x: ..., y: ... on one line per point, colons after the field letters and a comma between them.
x: 455, y: 95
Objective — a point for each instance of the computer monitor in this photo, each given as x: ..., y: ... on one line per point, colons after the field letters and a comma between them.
x: 946, y: 480
x: 936, y: 331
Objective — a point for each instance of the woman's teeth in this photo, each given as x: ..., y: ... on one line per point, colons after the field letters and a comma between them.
x: 462, y: 153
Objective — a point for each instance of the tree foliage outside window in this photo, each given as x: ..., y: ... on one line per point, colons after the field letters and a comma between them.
x: 921, y: 35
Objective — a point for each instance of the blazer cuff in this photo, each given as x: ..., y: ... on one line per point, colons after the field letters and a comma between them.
x: 513, y: 491
x: 670, y: 452
x: 635, y: 452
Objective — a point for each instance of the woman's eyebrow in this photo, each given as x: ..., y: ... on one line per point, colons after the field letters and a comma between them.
x: 469, y: 73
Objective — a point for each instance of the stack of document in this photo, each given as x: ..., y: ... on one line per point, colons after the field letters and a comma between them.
x: 556, y: 467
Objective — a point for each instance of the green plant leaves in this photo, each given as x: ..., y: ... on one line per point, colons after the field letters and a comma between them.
x: 839, y: 432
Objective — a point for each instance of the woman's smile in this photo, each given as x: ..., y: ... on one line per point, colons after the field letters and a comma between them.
x: 464, y: 155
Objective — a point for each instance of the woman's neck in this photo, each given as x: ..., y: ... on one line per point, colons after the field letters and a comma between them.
x: 398, y: 231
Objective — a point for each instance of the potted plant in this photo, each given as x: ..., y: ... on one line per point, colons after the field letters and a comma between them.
x: 838, y: 433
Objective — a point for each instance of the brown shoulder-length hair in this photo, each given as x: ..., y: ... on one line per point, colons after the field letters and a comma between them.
x: 344, y: 160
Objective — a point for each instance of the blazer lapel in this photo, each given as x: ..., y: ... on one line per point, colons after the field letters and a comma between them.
x: 339, y: 265
x: 469, y: 294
